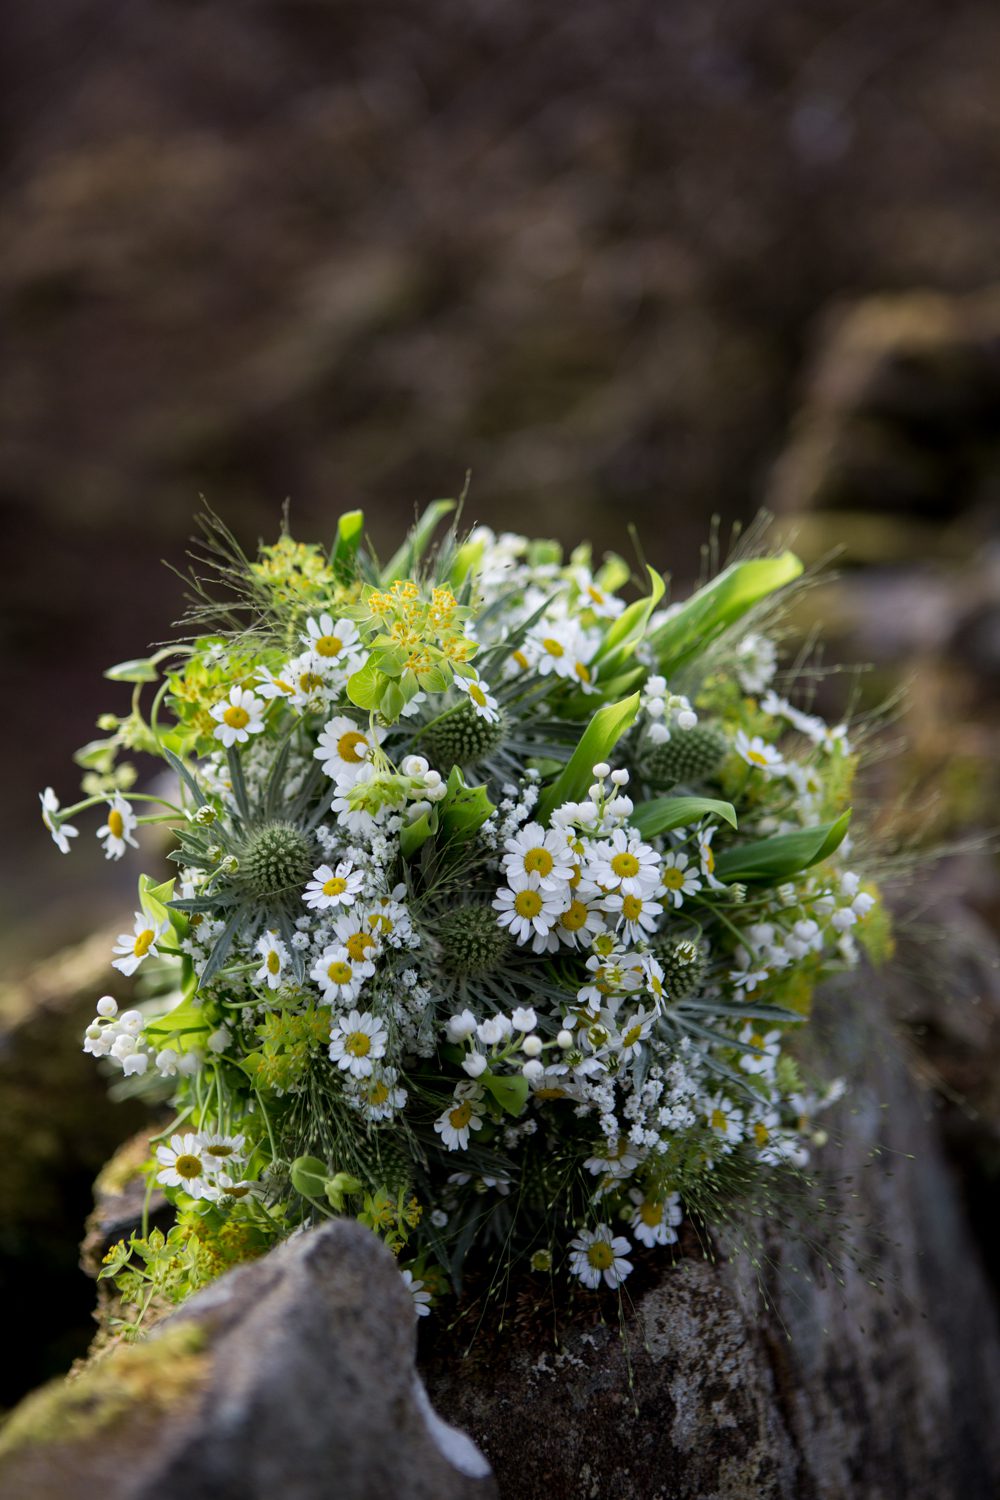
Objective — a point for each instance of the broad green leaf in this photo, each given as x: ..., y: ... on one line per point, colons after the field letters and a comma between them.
x: 661, y: 814
x: 350, y: 527
x: 364, y: 688
x: 464, y: 809
x: 309, y: 1176
x: 392, y: 702
x: 403, y: 562
x: 627, y: 631
x: 596, y: 744
x: 769, y: 861
x: 153, y: 898
x: 510, y: 1092
x: 413, y: 836
x: 721, y: 602
x: 140, y: 670
x: 183, y: 1028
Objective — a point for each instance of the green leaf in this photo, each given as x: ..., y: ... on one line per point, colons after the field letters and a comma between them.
x: 721, y: 602
x: 510, y: 1091
x: 153, y: 898
x: 664, y: 813
x: 465, y: 563
x: 627, y: 631
x: 309, y: 1176
x: 770, y: 861
x: 140, y: 670
x: 350, y: 527
x: 413, y: 836
x: 97, y: 755
x: 596, y: 744
x: 464, y: 809
x: 403, y: 562
x: 392, y: 702
x: 182, y: 1028
x: 365, y: 687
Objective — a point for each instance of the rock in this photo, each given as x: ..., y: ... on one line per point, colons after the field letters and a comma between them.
x: 292, y: 1377
x: 831, y: 1389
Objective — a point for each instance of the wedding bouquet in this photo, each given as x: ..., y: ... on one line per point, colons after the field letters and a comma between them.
x: 498, y: 902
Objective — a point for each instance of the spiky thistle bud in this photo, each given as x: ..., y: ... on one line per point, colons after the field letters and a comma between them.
x: 472, y: 941
x: 689, y: 756
x: 461, y: 737
x: 683, y: 963
x: 277, y: 858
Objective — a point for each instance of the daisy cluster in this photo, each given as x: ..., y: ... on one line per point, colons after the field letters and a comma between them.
x: 497, y: 903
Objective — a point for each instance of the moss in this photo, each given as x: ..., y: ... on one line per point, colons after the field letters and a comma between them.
x: 153, y: 1376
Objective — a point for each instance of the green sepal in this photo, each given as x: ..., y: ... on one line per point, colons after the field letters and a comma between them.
x: 509, y: 1090
x: 770, y: 861
x: 596, y: 744
x: 661, y: 814
x: 719, y: 604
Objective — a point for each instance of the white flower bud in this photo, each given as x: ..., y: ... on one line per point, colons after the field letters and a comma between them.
x: 415, y: 765
x: 130, y: 1020
x: 602, y: 769
x: 533, y: 1070
x: 107, y: 1006
x: 620, y: 778
x: 474, y: 1064
x: 524, y: 1019
x: 565, y: 1040
x: 531, y: 1046
x: 687, y: 719
x: 460, y: 1027
x: 137, y: 1062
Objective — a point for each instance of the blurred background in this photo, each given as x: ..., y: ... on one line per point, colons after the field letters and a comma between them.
x: 635, y: 261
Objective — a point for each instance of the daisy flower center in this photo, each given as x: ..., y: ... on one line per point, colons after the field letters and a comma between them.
x: 600, y: 1255
x: 273, y: 963
x: 236, y: 718
x: 651, y: 1212
x: 625, y: 865
x: 521, y: 659
x: 116, y: 823
x: 574, y: 916
x: 143, y: 942
x: 358, y: 1044
x: 329, y: 645
x: 758, y: 757
x: 357, y: 945
x: 631, y: 908
x: 220, y: 1150
x: 709, y: 859
x: 310, y: 682
x: 719, y: 1121
x: 553, y: 647
x: 340, y: 972
x: 335, y: 886
x: 347, y: 747
x: 383, y: 923
x: 527, y: 903
x: 188, y: 1166
x: 378, y: 1093
x: 477, y: 695
x: 761, y: 1134
x: 673, y: 878
x: 460, y: 1116
x: 631, y: 1036
x: 538, y: 862
x: 582, y: 671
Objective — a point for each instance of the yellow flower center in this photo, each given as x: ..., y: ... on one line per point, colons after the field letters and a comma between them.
x: 550, y: 1093
x: 582, y: 671
x: 631, y: 908
x: 460, y: 1116
x: 236, y: 718
x: 600, y: 1255
x: 708, y: 857
x: 521, y: 660
x: 673, y: 878
x: 538, y: 862
x: 221, y: 1149
x: 273, y: 962
x: 631, y: 1036
x: 340, y: 972
x: 761, y: 1134
x: 358, y: 1044
x: 378, y: 1093
x: 651, y: 1212
x: 329, y: 645
x: 335, y: 886
x: 347, y: 747
x: 357, y: 945
x: 574, y: 917
x: 625, y: 865
x: 188, y: 1166
x: 382, y: 922
x: 527, y: 903
x: 477, y: 695
x: 758, y: 757
x: 595, y: 594
x: 553, y: 647
x: 143, y: 942
x: 310, y: 682
x: 116, y: 823
x: 718, y: 1120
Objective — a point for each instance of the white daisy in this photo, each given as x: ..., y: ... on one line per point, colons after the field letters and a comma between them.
x: 132, y: 947
x: 679, y: 880
x: 332, y: 641
x: 764, y: 1059
x: 118, y: 830
x: 357, y: 1040
x: 563, y: 649
x: 624, y: 863
x: 61, y: 832
x: 480, y: 697
x: 597, y: 1255
x: 274, y: 956
x: 239, y: 717
x: 421, y: 1296
x: 331, y: 888
x: 184, y: 1165
x: 344, y: 748
x: 707, y: 856
x: 757, y: 752
x: 636, y: 917
x: 529, y: 910
x: 270, y: 686
x: 606, y: 606
x: 536, y: 853
x: 725, y: 1118
x: 655, y: 1220
x: 340, y: 976
x: 463, y: 1114
x: 377, y: 1095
